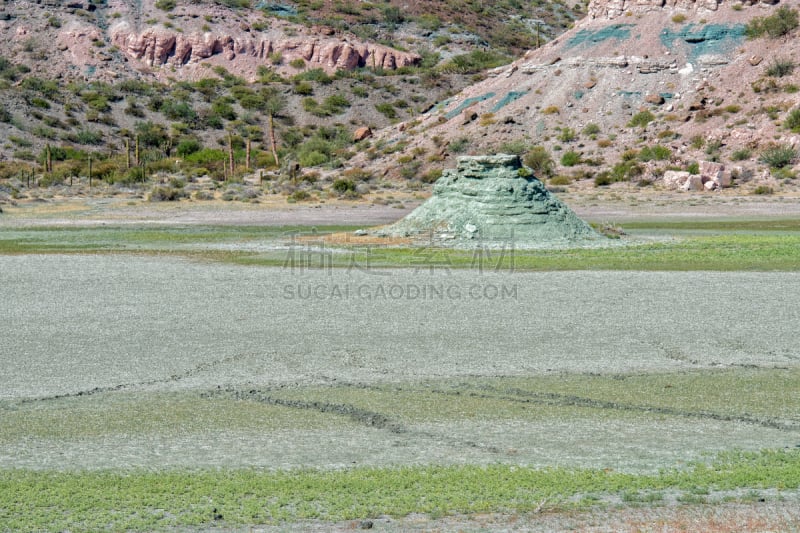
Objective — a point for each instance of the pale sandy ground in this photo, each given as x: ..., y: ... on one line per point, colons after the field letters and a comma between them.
x: 776, y: 513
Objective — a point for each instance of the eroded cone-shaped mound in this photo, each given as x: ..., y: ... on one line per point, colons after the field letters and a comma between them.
x: 493, y: 199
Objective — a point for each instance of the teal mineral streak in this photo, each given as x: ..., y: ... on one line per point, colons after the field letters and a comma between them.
x: 704, y: 40
x: 507, y: 99
x: 630, y: 94
x: 620, y: 32
x: 279, y: 10
x: 466, y: 103
x: 441, y: 105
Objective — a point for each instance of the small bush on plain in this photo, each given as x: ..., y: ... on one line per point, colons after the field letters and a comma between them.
x: 781, y: 23
x: 641, y: 119
x: 778, y: 156
x: 780, y: 68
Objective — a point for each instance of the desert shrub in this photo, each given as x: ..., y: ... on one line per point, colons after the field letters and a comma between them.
x: 551, y: 110
x: 166, y: 193
x: 316, y: 75
x: 741, y: 155
x: 47, y: 88
x: 458, y: 146
x: 792, y: 121
x: 763, y: 189
x: 780, y: 68
x: 298, y: 196
x: 560, y: 180
x: 777, y: 25
x: 626, y: 170
x: 475, y: 61
x: 540, y: 161
x: 431, y: 175
x: 591, y: 129
x: 392, y: 15
x: 387, y: 109
x: 222, y: 108
x: 677, y: 19
x: 410, y: 170
x: 85, y: 136
x: 641, y: 119
x: 517, y: 147
x: 603, y: 179
x: 654, y: 153
x: 206, y: 156
x: 166, y: 5
x: 297, y: 63
x: 570, y: 159
x: 312, y: 158
x: 693, y: 168
x: 567, y: 134
x: 188, y: 147
x: 10, y: 71
x: 178, y: 111
x: 151, y: 134
x: 342, y: 185
x: 778, y: 156
x: 20, y: 141
x: 429, y: 22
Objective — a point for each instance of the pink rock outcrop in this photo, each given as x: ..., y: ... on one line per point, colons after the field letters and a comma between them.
x: 156, y: 47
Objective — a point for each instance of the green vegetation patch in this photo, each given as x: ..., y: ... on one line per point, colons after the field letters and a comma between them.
x: 729, y: 245
x: 139, y: 500
x: 133, y: 414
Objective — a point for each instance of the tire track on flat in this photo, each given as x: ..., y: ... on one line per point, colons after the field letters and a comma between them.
x: 364, y: 417
x: 200, y: 368
x: 550, y: 398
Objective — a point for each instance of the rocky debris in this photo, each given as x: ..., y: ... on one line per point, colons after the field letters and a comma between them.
x: 156, y: 47
x: 611, y: 9
x: 362, y: 133
x: 675, y: 179
x: 493, y: 200
x: 693, y: 183
x: 712, y: 177
x: 655, y: 99
x: 711, y: 172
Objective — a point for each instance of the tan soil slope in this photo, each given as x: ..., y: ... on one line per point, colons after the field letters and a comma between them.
x: 689, y: 64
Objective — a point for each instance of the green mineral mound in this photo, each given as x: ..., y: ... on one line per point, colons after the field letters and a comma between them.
x: 493, y: 200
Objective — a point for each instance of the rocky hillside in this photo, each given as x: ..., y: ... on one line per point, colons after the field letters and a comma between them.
x: 645, y: 92
x: 89, y: 76
x: 635, y: 90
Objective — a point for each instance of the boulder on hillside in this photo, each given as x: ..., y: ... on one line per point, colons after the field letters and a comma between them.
x: 675, y: 179
x: 693, y: 183
x: 362, y: 133
x: 714, y: 172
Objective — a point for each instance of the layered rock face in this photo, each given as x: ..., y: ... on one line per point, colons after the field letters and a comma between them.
x: 611, y: 9
x: 156, y: 47
x: 493, y: 200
